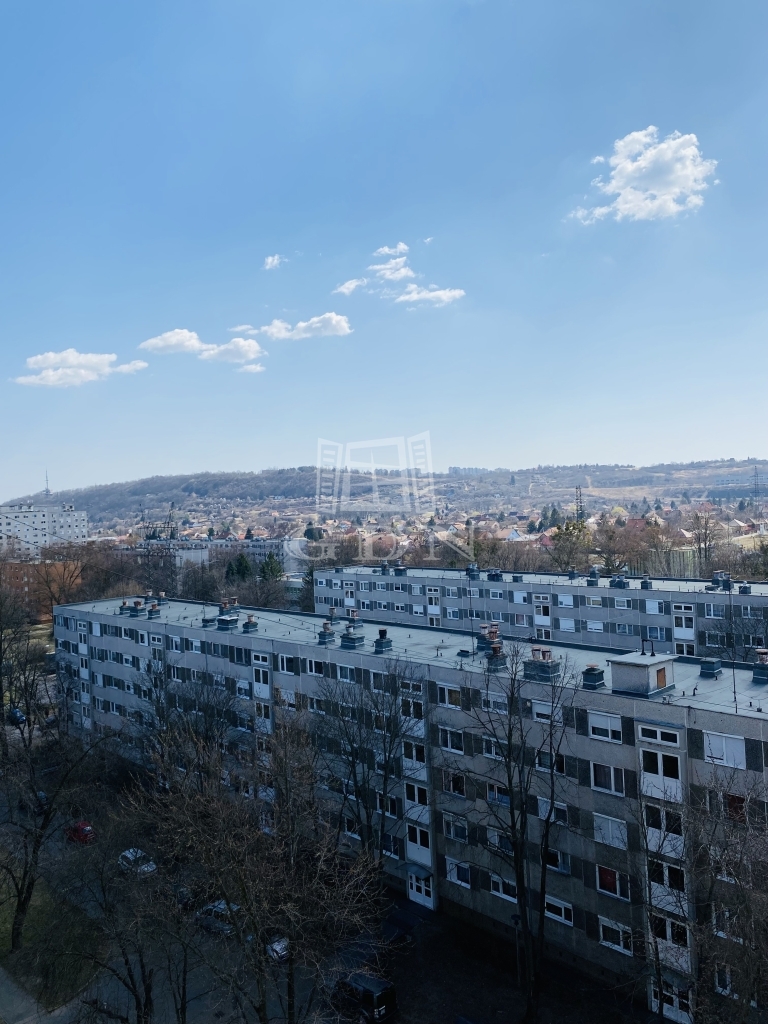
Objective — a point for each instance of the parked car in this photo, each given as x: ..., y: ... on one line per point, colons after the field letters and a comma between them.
x: 80, y: 832
x: 17, y: 717
x: 137, y: 863
x: 216, y: 918
x: 363, y: 998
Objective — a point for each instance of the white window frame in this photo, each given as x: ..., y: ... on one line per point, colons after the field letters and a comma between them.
x: 625, y: 936
x: 444, y: 695
x: 564, y: 600
x: 498, y: 883
x: 452, y: 822
x: 610, y: 831
x: 616, y: 773
x: 595, y: 626
x: 624, y: 603
x: 601, y: 720
x: 451, y: 872
x: 558, y: 910
x: 451, y: 591
x: 653, y: 734
x: 620, y: 875
x: 568, y: 625
x: 720, y: 748
x: 496, y: 595
x: 714, y: 611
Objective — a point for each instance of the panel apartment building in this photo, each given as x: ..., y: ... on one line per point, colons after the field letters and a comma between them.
x: 27, y: 529
x: 640, y: 733
x: 683, y: 617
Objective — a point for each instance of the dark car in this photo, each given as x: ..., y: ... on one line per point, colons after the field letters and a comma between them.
x: 361, y: 997
x: 17, y: 717
x: 80, y: 832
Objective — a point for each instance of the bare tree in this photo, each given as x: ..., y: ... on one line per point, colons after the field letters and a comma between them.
x: 522, y: 725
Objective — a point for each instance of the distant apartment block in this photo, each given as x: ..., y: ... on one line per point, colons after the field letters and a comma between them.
x: 687, y: 617
x: 27, y: 529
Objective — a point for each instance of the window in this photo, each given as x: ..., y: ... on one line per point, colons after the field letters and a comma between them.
x: 519, y: 619
x: 336, y: 584
x: 365, y: 606
x: 623, y: 629
x: 364, y: 586
x: 614, y: 883
x: 543, y: 712
x: 498, y: 794
x: 593, y: 626
x: 568, y: 625
x: 414, y: 752
x: 495, y: 702
x: 688, y: 650
x: 605, y: 727
x: 617, y: 936
x: 174, y: 643
x: 493, y: 748
x: 558, y: 861
x: 314, y: 668
x: 593, y: 602
x: 682, y: 621
x: 399, y: 607
x: 381, y: 586
x: 559, y: 813
x: 351, y: 828
x: 451, y: 613
x: 451, y: 740
x: 714, y: 611
x: 243, y: 689
x: 415, y: 589
x: 418, y: 609
x: 725, y: 750
x: 723, y: 921
x: 286, y: 665
x: 473, y: 592
x: 624, y: 603
x: 656, y: 633
x: 660, y: 819
x: 418, y: 836
x: 608, y: 778
x: 558, y: 911
x: 401, y: 588
x: 539, y: 607
x: 457, y: 872
x: 565, y: 600
x: 316, y: 704
x: 654, y: 607
x: 387, y: 805
x: 519, y: 597
x: 416, y: 794
x: 499, y: 841
x: 412, y: 708
x: 682, y: 607
x: 449, y: 696
x: 751, y: 611
x: 666, y: 765
x: 716, y: 640
x: 451, y: 591
x: 455, y: 828
x: 496, y: 595
x: 648, y: 732
x: 543, y: 634
x: 546, y: 761
x: 346, y: 673
x: 669, y: 931
x: 668, y: 875
x: 503, y: 888
x: 610, y: 831
x: 389, y: 846
x: 453, y: 782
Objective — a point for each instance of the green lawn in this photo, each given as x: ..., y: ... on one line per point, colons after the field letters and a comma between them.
x: 52, y: 927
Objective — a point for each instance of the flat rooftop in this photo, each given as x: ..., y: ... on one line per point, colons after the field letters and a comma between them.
x: 554, y: 579
x: 439, y: 648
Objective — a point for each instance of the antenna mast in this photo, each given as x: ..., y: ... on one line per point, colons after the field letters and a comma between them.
x: 579, y: 505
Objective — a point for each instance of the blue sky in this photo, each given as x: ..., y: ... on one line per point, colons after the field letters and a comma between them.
x: 155, y: 156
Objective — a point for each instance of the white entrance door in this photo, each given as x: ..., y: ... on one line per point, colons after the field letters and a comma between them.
x: 420, y: 889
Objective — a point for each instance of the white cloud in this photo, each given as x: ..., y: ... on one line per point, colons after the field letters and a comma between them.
x: 651, y: 179
x: 273, y: 262
x: 437, y: 296
x: 252, y: 368
x: 349, y: 286
x: 178, y: 340
x: 428, y: 240
x: 240, y: 327
x: 597, y: 160
x: 393, y: 270
x: 386, y: 250
x: 238, y: 350
x: 71, y: 368
x: 316, y: 326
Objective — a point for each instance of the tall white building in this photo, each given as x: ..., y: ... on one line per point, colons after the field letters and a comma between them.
x: 27, y: 529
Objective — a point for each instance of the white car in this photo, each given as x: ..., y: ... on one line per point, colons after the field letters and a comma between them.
x: 137, y: 862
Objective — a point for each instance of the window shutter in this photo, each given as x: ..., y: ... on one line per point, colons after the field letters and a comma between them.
x: 582, y: 722
x: 644, y: 632
x: 434, y: 734
x: 573, y: 816
x: 633, y: 837
x: 275, y: 663
x: 630, y: 783
x: 334, y: 671
x: 702, y: 638
x: 569, y: 717
x: 591, y: 925
x: 466, y: 699
x: 605, y: 602
x: 432, y: 691
x: 572, y: 767
x: 585, y: 772
x: 627, y: 731
x: 474, y: 744
x: 366, y: 678
x: 553, y: 602
x: 529, y: 620
x: 484, y: 880
x: 358, y: 675
x: 304, y: 666
x: 296, y: 666
x: 641, y: 603
x: 442, y: 870
x: 754, y: 755
x: 556, y: 623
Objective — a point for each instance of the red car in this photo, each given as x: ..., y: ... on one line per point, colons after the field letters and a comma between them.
x: 81, y: 832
